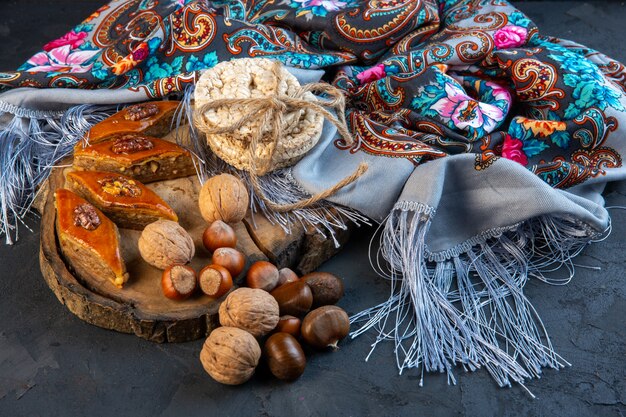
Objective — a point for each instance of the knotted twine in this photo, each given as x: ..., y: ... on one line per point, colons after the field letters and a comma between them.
x: 272, y: 110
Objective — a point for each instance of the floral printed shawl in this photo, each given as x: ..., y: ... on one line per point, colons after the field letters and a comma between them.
x: 488, y: 143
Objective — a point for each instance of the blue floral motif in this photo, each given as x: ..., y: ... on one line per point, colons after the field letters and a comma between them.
x: 153, y: 44
x: 517, y: 18
x: 83, y: 27
x: 196, y: 64
x: 99, y: 71
x: 590, y: 87
x: 307, y: 61
x: 320, y: 8
x: 155, y: 70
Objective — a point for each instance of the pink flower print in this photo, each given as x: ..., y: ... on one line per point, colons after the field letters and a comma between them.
x: 372, y: 74
x: 329, y: 5
x: 510, y: 36
x: 61, y: 59
x: 465, y: 112
x: 73, y: 39
x: 499, y: 92
x: 513, y: 149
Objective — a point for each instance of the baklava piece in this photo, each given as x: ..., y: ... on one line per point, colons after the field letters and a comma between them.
x: 152, y: 119
x: 126, y: 201
x: 89, y: 240
x: 138, y: 156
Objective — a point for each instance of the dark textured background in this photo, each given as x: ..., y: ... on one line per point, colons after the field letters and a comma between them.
x: 52, y: 364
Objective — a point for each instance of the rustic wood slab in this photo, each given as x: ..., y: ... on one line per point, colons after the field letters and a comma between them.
x: 140, y: 308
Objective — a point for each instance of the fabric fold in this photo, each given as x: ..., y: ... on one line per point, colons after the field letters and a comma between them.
x: 457, y: 281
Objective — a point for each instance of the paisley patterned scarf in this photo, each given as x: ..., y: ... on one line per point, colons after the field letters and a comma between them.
x: 488, y: 144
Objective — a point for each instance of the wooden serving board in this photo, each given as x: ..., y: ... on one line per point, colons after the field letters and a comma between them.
x: 140, y: 307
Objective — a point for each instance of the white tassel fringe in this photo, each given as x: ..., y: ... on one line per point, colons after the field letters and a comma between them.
x: 31, y: 143
x: 468, y: 308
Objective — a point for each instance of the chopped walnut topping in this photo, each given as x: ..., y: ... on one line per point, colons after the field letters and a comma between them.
x: 131, y: 143
x: 120, y: 186
x: 141, y: 111
x: 85, y: 216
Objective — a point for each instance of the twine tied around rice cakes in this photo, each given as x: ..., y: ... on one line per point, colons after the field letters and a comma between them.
x: 279, y: 120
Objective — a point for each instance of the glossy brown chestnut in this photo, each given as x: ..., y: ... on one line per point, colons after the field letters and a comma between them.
x: 262, y: 275
x: 219, y: 235
x: 178, y: 282
x: 327, y: 288
x: 284, y: 356
x: 285, y: 276
x: 294, y: 298
x: 231, y: 259
x: 289, y: 324
x: 325, y: 327
x: 215, y: 280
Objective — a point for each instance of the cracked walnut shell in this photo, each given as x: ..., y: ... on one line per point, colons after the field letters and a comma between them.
x: 252, y: 310
x: 164, y: 243
x: 230, y: 355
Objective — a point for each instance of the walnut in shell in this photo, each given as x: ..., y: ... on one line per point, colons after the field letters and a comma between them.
x: 164, y: 243
x: 230, y: 355
x: 252, y: 310
x: 223, y: 197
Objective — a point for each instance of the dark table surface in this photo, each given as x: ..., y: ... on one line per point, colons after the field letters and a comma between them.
x: 53, y: 364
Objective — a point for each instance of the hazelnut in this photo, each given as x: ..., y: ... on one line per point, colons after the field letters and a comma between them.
x: 250, y: 309
x: 230, y: 355
x: 223, y: 197
x: 231, y: 259
x: 164, y: 243
x: 219, y: 235
x: 285, y: 276
x: 263, y: 275
x: 215, y: 280
x: 178, y: 282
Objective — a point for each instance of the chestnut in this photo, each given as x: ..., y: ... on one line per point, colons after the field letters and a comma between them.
x: 326, y: 288
x: 325, y: 327
x: 215, y: 280
x: 289, y: 324
x: 219, y: 235
x: 285, y: 276
x: 294, y: 298
x: 284, y: 356
x: 178, y: 282
x: 231, y: 259
x: 262, y: 275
